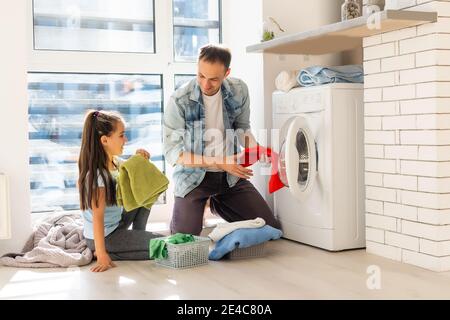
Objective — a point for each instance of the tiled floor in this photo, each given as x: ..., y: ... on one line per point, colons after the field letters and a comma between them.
x: 289, y: 271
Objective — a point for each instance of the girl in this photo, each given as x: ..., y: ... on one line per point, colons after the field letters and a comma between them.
x: 105, y: 224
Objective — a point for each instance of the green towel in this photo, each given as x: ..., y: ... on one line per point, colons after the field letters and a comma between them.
x: 139, y: 183
x: 158, y: 249
x: 180, y: 238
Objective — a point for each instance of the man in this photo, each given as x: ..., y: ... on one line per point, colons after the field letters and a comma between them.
x: 198, y: 121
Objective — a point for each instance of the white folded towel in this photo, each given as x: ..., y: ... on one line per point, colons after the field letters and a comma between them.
x: 286, y: 80
x: 222, y: 229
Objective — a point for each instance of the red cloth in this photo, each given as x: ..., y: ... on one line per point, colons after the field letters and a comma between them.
x: 252, y: 155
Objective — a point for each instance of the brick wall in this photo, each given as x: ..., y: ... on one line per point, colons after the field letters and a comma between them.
x: 407, y: 141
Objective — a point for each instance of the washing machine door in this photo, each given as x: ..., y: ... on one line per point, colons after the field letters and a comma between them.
x: 297, y: 167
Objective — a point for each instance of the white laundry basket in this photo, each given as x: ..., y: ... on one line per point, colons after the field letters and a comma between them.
x: 186, y: 255
x: 256, y: 251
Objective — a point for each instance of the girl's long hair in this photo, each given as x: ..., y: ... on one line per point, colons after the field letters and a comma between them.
x: 93, y: 160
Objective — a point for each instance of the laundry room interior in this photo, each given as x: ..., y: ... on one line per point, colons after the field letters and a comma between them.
x: 257, y: 149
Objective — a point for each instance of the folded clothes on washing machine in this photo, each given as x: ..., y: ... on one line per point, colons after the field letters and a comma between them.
x: 251, y: 155
x: 320, y: 75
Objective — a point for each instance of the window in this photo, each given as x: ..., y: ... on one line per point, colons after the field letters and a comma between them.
x: 106, y: 54
x: 57, y: 105
x: 100, y: 25
x: 196, y: 23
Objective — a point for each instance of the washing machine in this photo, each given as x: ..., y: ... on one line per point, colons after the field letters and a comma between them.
x: 320, y: 145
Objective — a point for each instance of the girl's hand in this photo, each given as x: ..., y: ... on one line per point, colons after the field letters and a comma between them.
x: 104, y: 263
x: 143, y: 153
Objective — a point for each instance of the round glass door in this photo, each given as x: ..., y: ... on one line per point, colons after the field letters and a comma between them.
x: 303, y: 154
x: 298, y: 158
x: 282, y: 164
x: 303, y: 169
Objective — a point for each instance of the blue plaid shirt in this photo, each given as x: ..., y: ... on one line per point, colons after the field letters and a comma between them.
x: 184, y: 127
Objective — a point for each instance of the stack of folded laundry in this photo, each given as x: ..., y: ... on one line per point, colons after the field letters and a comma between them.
x: 319, y: 75
x: 241, y: 234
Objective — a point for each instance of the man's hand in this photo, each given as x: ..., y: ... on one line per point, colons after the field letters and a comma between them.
x: 104, y: 263
x: 230, y: 165
x: 143, y: 153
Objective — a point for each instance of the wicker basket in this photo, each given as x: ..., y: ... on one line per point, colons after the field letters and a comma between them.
x: 186, y: 255
x: 249, y: 252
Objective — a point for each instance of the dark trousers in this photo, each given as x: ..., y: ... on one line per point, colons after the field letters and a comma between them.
x: 241, y: 202
x: 124, y: 244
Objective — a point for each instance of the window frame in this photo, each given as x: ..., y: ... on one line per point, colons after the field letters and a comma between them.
x: 59, y: 50
x: 33, y: 174
x: 220, y: 29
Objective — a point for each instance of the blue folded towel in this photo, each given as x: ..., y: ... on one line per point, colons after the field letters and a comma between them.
x: 243, y: 238
x: 319, y: 75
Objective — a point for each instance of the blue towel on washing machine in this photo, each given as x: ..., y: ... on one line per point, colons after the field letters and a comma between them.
x: 243, y: 238
x: 319, y: 75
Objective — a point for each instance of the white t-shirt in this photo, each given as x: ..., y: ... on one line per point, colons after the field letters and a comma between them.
x: 215, y: 129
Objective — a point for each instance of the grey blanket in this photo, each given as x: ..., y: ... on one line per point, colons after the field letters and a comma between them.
x: 57, y: 241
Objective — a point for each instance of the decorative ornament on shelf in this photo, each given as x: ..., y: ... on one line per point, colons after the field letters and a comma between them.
x: 268, y: 29
x: 350, y: 9
x: 267, y: 35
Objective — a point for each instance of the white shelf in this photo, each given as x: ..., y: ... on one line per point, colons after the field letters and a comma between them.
x: 344, y: 35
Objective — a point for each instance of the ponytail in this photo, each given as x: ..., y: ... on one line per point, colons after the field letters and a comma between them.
x: 93, y: 160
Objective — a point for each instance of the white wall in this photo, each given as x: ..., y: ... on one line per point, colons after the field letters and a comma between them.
x: 14, y: 116
x: 296, y: 16
x: 242, y: 28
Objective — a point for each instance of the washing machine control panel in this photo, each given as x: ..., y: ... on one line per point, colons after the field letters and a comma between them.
x: 298, y: 101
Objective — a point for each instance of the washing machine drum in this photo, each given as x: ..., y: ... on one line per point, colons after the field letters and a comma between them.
x: 303, y: 153
x: 298, y: 156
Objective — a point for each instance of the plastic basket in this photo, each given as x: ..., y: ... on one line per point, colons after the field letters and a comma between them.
x: 186, y: 255
x: 250, y: 252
